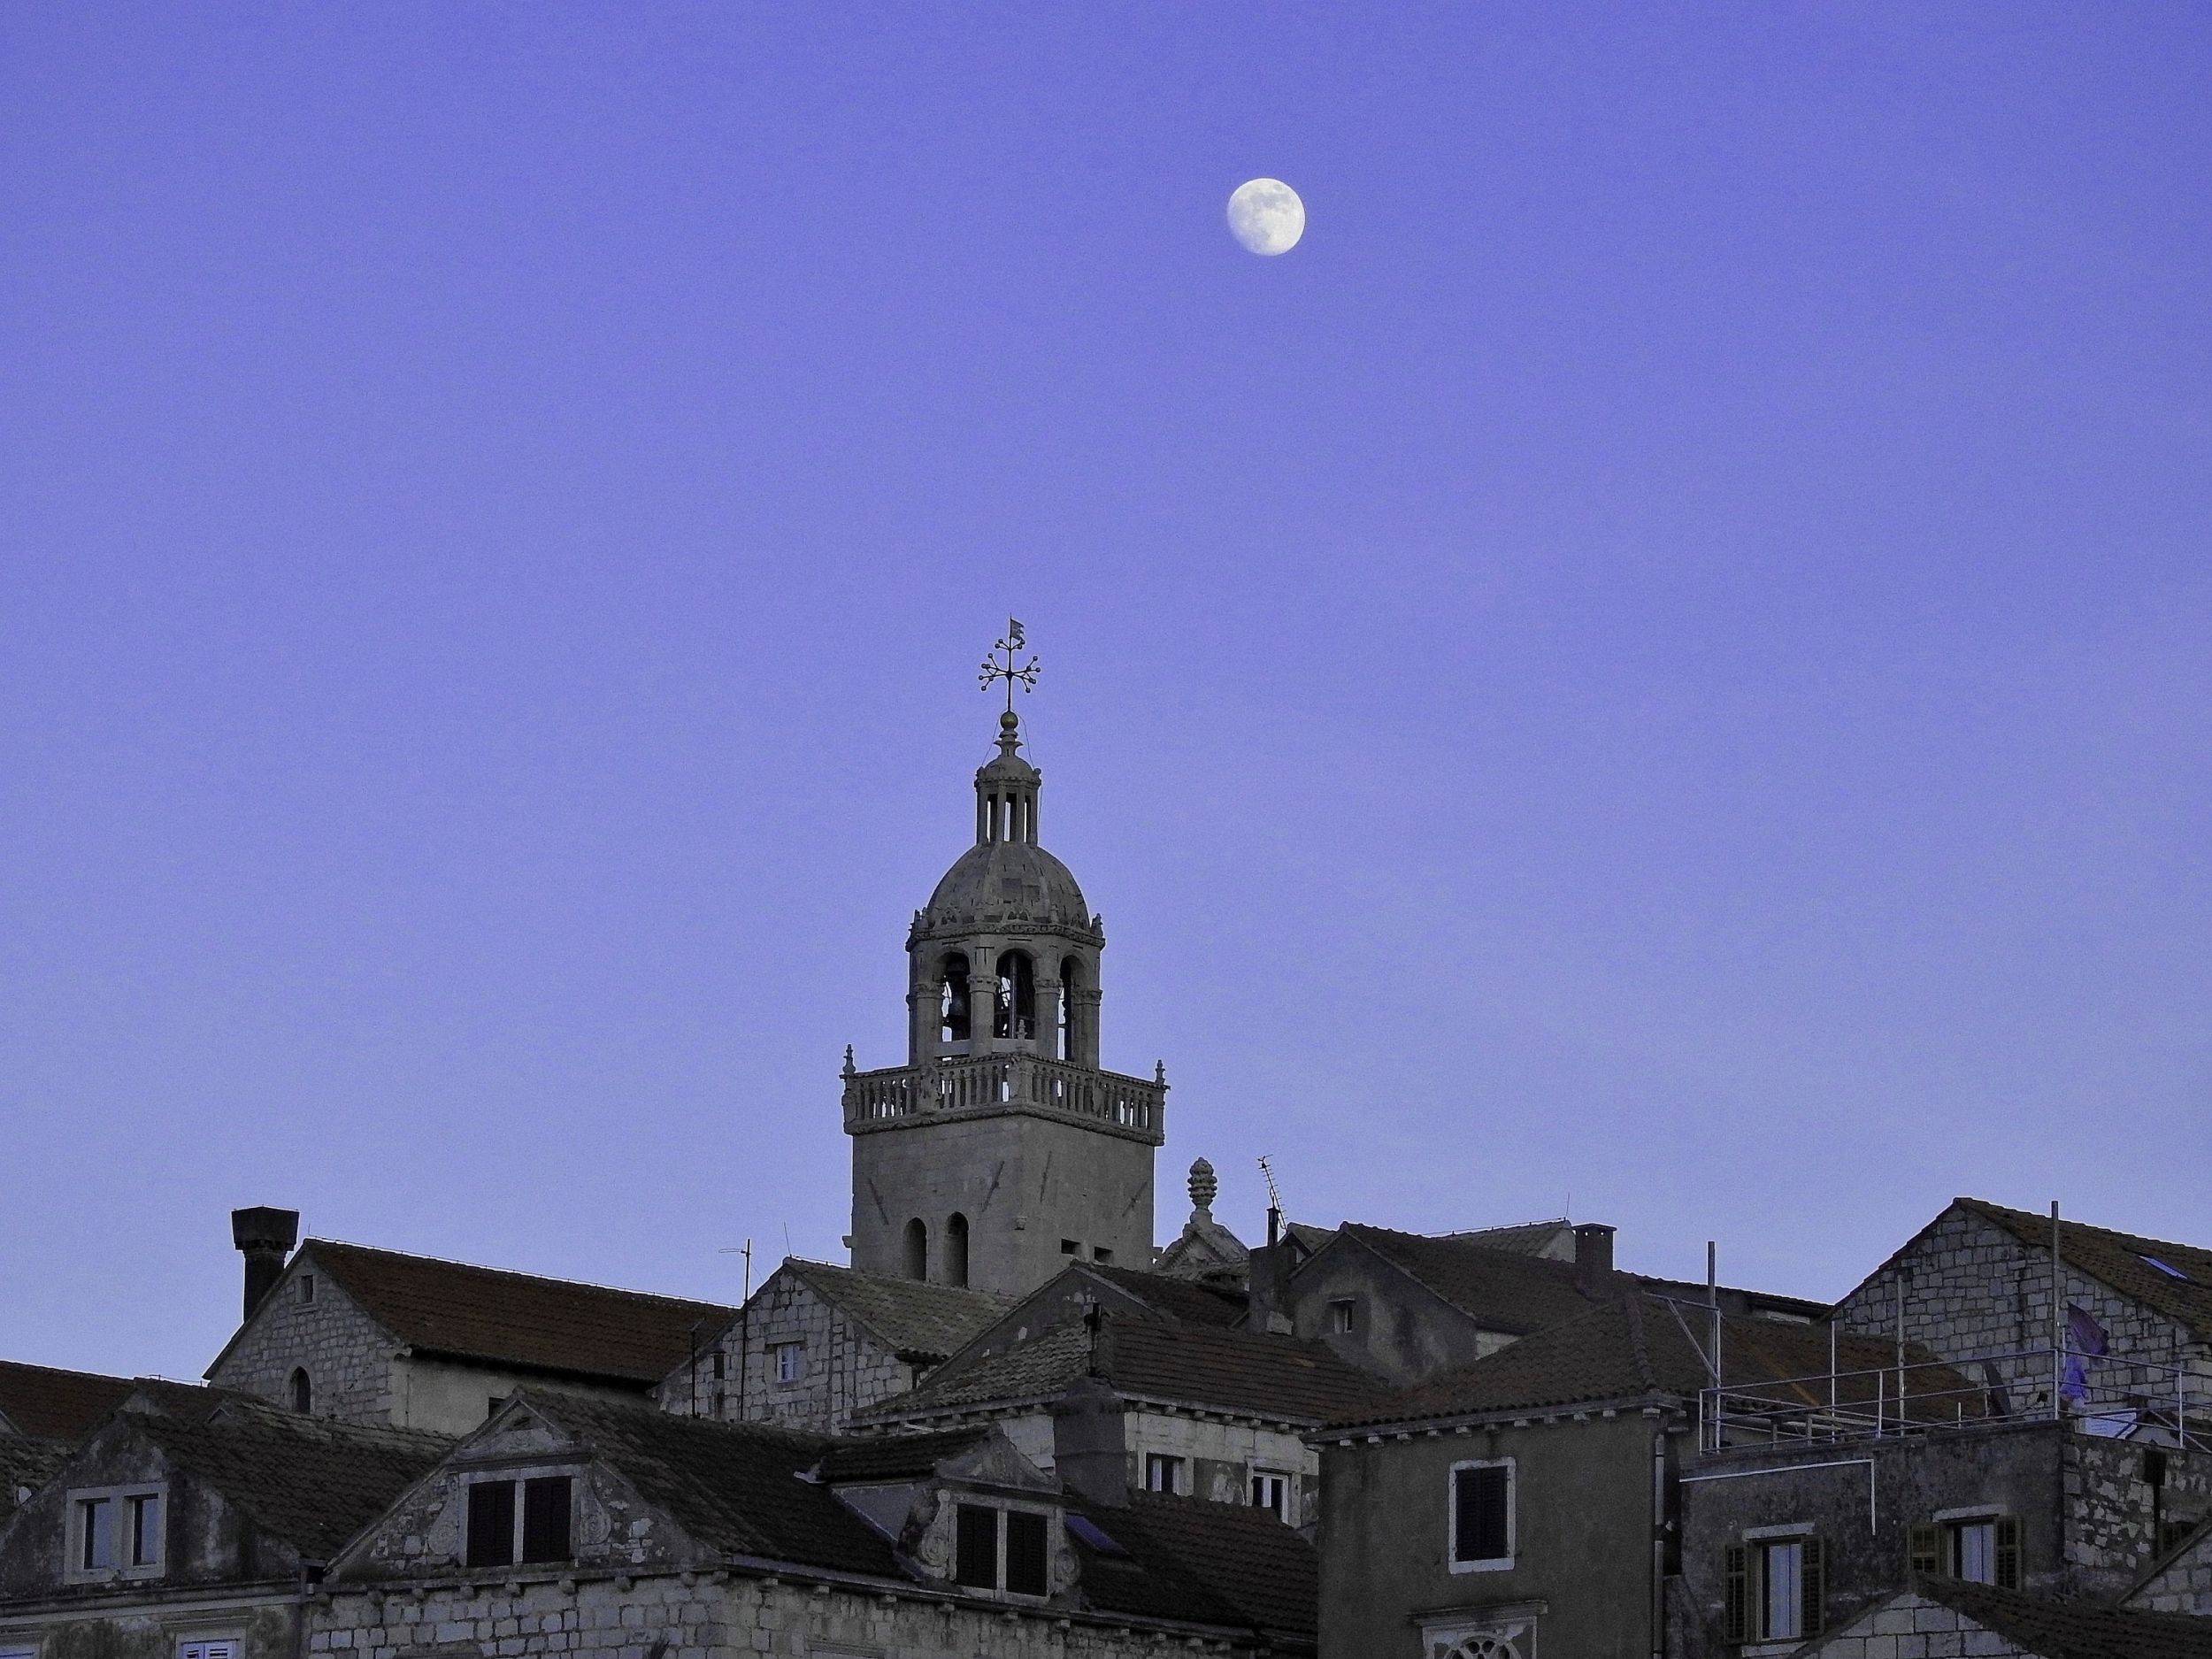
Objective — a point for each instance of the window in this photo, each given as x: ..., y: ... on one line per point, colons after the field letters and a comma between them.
x: 207, y: 1650
x: 1978, y: 1549
x: 790, y: 1360
x: 952, y: 1006
x: 302, y: 1388
x: 1000, y: 1549
x: 1099, y: 1253
x: 1162, y: 1473
x: 956, y: 1249
x: 915, y: 1250
x: 1069, y: 1247
x: 1014, y: 1015
x: 504, y: 1534
x: 114, y: 1531
x: 307, y: 1288
x: 1482, y: 1516
x: 1271, y: 1493
x: 1773, y: 1589
x: 1341, y: 1316
x: 717, y: 1367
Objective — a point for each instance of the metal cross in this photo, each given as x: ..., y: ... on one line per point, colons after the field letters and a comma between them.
x: 1011, y: 671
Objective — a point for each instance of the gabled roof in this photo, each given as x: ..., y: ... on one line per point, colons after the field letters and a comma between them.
x: 311, y: 1481
x: 2066, y: 1630
x: 1248, y: 1373
x: 895, y: 1457
x: 1638, y: 1347
x: 916, y: 1321
x: 2125, y: 1261
x: 1214, y: 1563
x: 1553, y: 1240
x: 518, y: 1320
x: 48, y: 1404
x: 1174, y: 1298
x: 742, y: 1489
x: 1499, y: 1289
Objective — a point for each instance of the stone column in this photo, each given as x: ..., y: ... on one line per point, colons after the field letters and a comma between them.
x: 1048, y: 993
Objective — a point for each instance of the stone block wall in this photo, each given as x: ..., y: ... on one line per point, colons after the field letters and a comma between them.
x: 348, y: 1357
x: 2111, y: 1509
x: 844, y: 1367
x: 693, y: 1615
x: 2184, y: 1584
x: 1913, y: 1628
x: 1221, y: 1456
x: 1971, y: 1288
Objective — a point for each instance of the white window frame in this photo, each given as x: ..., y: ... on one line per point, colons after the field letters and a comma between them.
x: 790, y: 1359
x: 74, y: 1570
x: 209, y: 1648
x: 1283, y: 1478
x: 1343, y: 1310
x: 1002, y: 1540
x: 1488, y: 1564
x: 1174, y: 1463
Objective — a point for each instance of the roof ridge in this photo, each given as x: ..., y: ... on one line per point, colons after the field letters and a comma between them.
x: 511, y: 1272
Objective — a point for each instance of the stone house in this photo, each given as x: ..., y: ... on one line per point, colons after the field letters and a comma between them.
x: 572, y: 1525
x: 188, y: 1523
x: 379, y: 1337
x: 1974, y: 1286
x: 816, y: 1343
x: 1531, y: 1501
x: 1938, y: 1620
x: 1115, y: 1402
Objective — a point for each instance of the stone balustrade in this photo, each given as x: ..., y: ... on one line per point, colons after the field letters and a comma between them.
x: 1130, y: 1105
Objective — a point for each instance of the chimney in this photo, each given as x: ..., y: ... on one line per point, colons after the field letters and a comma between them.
x: 264, y: 1237
x: 1267, y: 1287
x: 1090, y: 1446
x: 1594, y: 1258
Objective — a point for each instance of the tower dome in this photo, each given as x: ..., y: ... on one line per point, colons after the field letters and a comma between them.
x: 1006, y: 883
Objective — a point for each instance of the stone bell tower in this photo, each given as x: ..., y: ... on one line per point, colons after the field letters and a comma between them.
x: 1000, y: 1151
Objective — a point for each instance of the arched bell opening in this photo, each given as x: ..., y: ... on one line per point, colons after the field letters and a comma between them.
x: 1064, y: 1043
x: 956, y: 1249
x: 953, y: 1023
x: 1016, y: 1016
x: 915, y: 1250
x: 302, y: 1391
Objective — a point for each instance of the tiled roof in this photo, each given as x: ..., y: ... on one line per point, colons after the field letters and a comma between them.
x: 517, y: 1319
x: 896, y: 1458
x: 1526, y: 1238
x: 1633, y: 1346
x: 26, y: 1464
x: 1189, y: 1299
x: 736, y: 1487
x: 2072, y: 1630
x: 308, y: 1480
x: 1215, y: 1564
x: 2119, y: 1259
x: 56, y: 1405
x: 1245, y: 1371
x: 1498, y: 1289
x: 915, y: 1320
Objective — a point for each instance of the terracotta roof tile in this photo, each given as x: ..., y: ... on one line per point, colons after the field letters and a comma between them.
x: 517, y: 1319
x: 1217, y: 1563
x: 1188, y: 1299
x: 1500, y: 1290
x: 46, y: 1404
x: 915, y: 1320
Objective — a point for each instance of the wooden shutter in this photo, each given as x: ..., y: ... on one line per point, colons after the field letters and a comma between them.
x: 1735, y: 1616
x: 975, y: 1547
x: 1927, y: 1554
x: 1025, y: 1553
x: 2008, y: 1552
x: 491, y: 1541
x: 1812, y: 1589
x: 545, y: 1518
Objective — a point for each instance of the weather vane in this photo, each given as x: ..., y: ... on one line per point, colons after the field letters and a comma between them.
x: 1012, y: 671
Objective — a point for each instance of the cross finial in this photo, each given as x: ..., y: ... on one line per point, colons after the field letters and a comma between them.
x: 1011, y: 670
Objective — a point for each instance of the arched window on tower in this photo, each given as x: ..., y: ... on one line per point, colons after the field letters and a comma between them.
x: 952, y: 999
x: 303, y: 1392
x: 1017, y: 1015
x: 1070, y: 978
x: 956, y: 1249
x: 916, y: 1249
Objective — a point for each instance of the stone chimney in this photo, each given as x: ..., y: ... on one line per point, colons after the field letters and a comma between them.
x: 264, y: 1237
x: 1090, y: 1444
x: 1594, y: 1258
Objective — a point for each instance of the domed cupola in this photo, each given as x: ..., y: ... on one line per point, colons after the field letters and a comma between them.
x: 1006, y: 881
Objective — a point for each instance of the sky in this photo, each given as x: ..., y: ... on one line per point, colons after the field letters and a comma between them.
x: 1653, y: 668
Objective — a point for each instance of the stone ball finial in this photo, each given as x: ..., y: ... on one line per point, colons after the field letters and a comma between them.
x: 1202, y: 1185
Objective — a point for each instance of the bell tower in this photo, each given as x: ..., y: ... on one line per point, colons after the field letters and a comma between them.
x: 1000, y: 1151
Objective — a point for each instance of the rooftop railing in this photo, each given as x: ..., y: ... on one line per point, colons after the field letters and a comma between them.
x: 2094, y: 1393
x: 959, y: 1083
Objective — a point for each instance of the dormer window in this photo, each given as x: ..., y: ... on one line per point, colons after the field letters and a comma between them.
x: 1000, y: 1549
x: 115, y: 1531
x: 503, y: 1533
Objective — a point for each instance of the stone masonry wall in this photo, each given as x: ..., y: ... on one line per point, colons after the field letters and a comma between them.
x: 2184, y: 1585
x: 693, y: 1615
x: 1971, y: 1288
x: 346, y: 1355
x: 1912, y: 1628
x: 1220, y: 1458
x: 2109, y: 1505
x: 843, y: 1368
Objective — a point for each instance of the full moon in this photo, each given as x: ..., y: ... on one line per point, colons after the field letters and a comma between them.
x: 1266, y: 215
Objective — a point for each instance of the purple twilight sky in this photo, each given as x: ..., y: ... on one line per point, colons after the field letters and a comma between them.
x: 1657, y: 664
